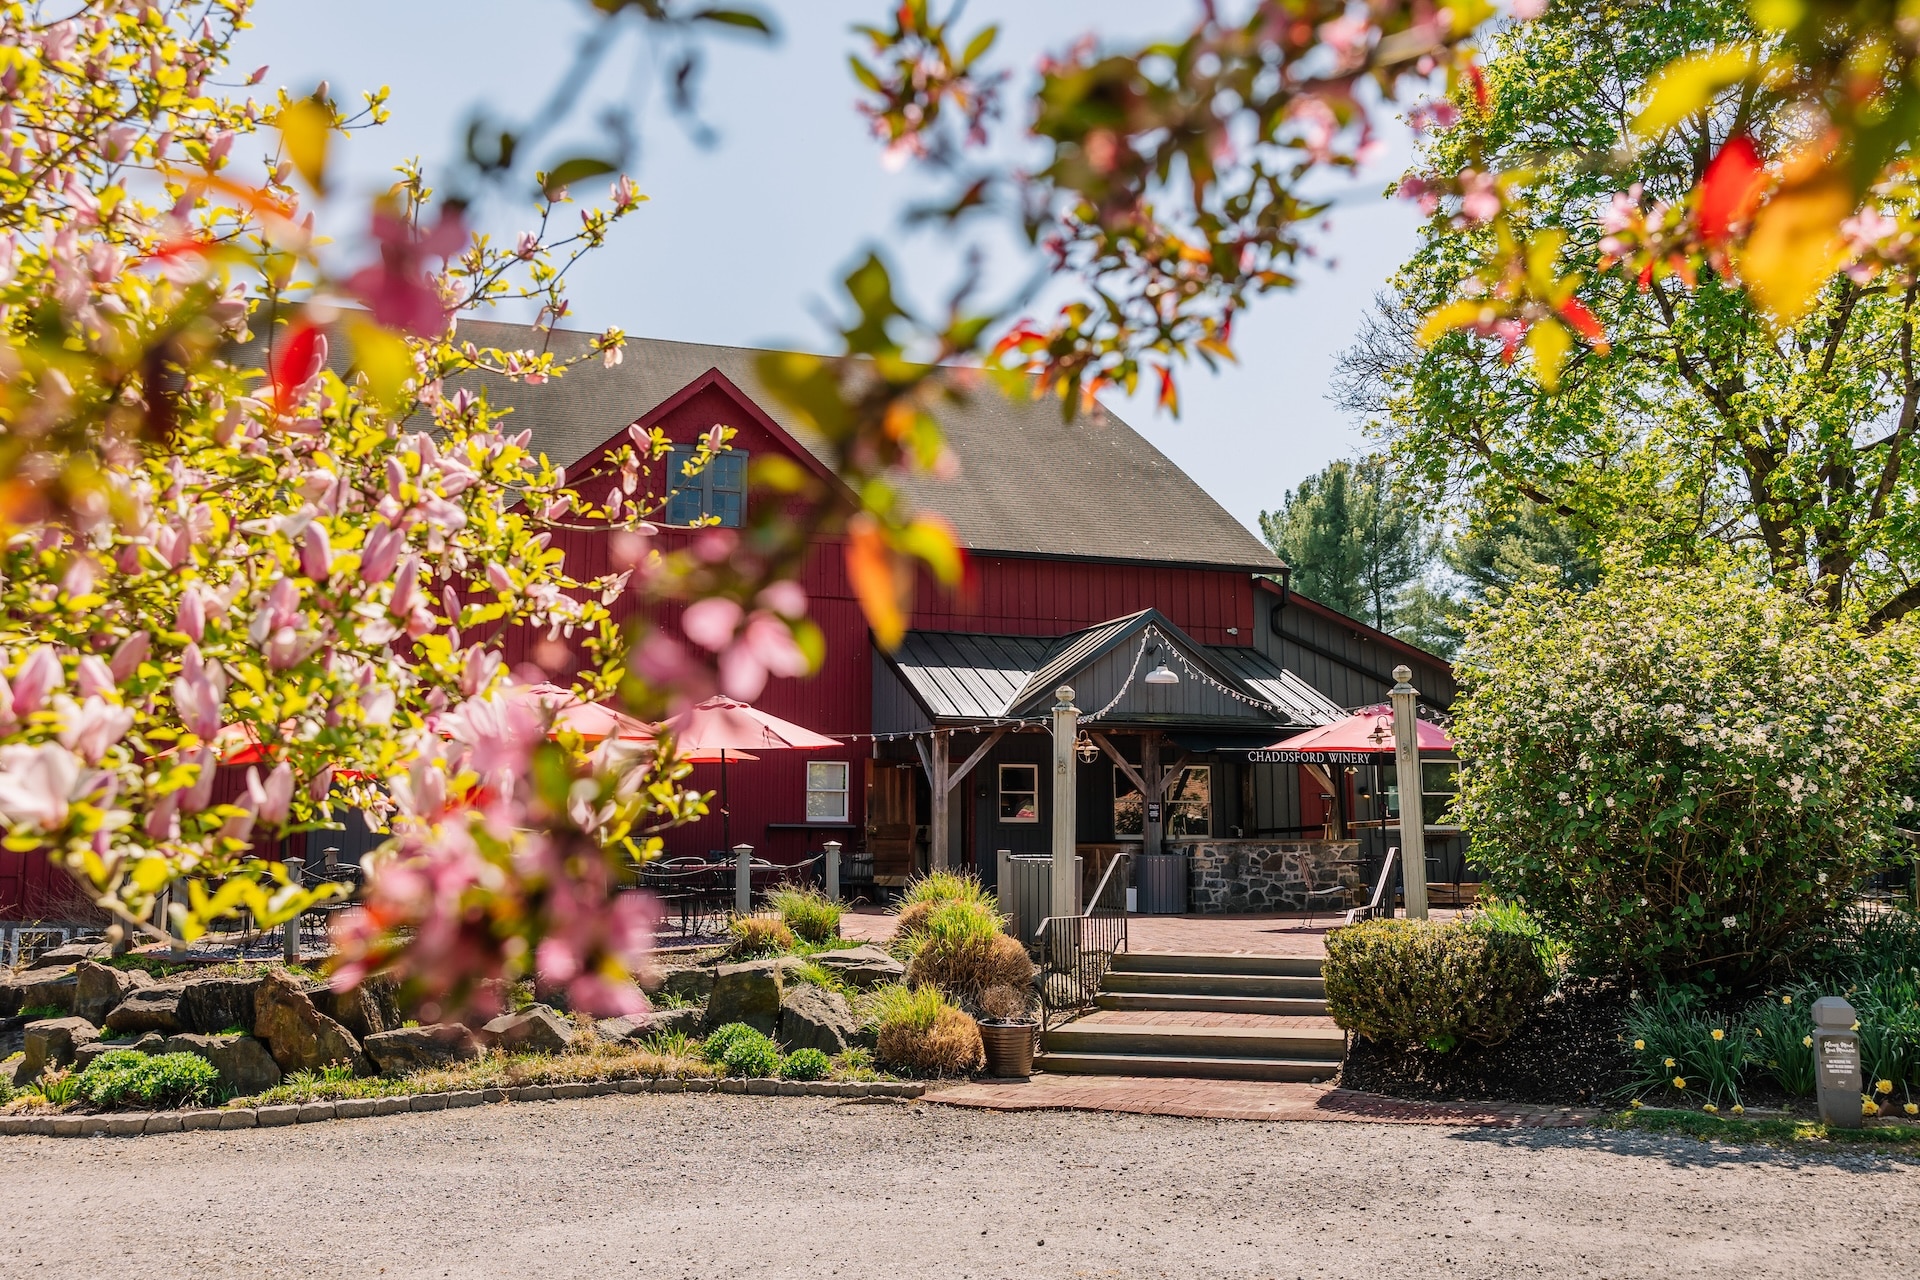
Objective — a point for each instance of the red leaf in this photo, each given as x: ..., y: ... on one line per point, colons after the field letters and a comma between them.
x: 299, y: 358
x: 1478, y: 80
x: 1169, y: 393
x: 1583, y: 321
x: 1730, y: 189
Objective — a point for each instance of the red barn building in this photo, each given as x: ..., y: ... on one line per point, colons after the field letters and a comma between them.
x: 1095, y: 562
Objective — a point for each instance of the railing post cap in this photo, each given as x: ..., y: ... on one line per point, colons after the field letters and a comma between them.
x: 1063, y: 697
x: 1403, y: 673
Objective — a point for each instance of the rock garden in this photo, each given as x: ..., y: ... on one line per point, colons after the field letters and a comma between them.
x: 787, y: 1006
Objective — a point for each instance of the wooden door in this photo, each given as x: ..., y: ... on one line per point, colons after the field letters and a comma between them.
x: 891, y: 819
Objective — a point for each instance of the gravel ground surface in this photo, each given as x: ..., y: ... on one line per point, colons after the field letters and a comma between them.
x: 735, y: 1187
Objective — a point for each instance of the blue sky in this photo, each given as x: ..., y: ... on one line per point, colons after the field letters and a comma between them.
x: 743, y: 241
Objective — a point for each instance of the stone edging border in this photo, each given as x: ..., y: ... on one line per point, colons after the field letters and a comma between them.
x: 127, y: 1124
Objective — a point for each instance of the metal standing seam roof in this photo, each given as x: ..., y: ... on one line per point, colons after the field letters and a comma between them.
x: 1028, y: 482
x: 967, y: 676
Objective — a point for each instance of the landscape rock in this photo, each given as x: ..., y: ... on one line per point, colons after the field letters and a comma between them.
x: 52, y: 1042
x: 299, y: 1035
x: 98, y: 988
x: 9, y: 994
x: 862, y: 967
x: 245, y: 1066
x: 815, y: 1018
x: 692, y: 985
x: 150, y: 1042
x: 410, y: 1048
x: 211, y: 1003
x: 535, y: 1029
x: 748, y: 992
x: 626, y: 1029
x: 155, y: 1008
x: 667, y: 1021
x: 70, y: 954
x: 367, y: 1010
x: 47, y: 988
x: 13, y: 1037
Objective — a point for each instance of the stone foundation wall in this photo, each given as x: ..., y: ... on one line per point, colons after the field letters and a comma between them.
x: 1228, y: 876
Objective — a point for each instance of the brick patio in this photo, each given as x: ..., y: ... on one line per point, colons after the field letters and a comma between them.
x: 1243, y: 1100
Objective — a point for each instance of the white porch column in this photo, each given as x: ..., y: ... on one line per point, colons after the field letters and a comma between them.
x: 939, y: 838
x: 1065, y: 881
x: 1413, y: 809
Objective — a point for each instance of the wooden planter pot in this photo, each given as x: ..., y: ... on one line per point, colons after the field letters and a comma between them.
x: 1009, y: 1048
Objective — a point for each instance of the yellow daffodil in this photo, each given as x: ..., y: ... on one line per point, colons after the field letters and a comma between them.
x: 1870, y: 1107
x: 1912, y: 1108
x: 1710, y: 1107
x: 1635, y: 1105
x: 1786, y: 999
x: 1807, y: 1041
x: 1739, y: 1110
x: 1640, y: 1044
x: 1669, y: 1061
x: 1883, y: 1087
x: 1718, y: 1034
x: 1855, y: 1026
x: 1679, y: 1082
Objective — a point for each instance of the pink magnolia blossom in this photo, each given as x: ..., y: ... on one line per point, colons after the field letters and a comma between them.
x: 37, y: 785
x: 39, y: 675
x: 190, y: 616
x: 711, y: 623
x: 128, y: 655
x: 200, y: 794
x: 765, y: 648
x: 785, y: 598
x: 316, y: 553
x: 199, y: 693
x: 382, y: 551
x: 272, y: 798
x: 399, y: 290
x: 94, y: 678
x: 90, y: 728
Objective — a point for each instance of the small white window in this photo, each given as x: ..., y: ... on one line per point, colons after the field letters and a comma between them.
x: 827, y: 790
x: 1019, y: 793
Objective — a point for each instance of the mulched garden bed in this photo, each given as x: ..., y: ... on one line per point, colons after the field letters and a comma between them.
x: 1568, y: 1054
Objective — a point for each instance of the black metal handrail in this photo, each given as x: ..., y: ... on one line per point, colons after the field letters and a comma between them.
x: 1076, y: 951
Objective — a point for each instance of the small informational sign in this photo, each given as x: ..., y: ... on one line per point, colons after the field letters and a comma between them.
x: 1153, y: 811
x: 1840, y: 1062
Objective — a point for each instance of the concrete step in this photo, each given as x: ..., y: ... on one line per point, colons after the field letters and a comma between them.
x: 1286, y: 1006
x: 1202, y: 983
x: 1194, y: 962
x: 1123, y: 1064
x: 1287, y: 1039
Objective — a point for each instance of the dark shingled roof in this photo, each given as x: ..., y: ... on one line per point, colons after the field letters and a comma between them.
x: 1029, y: 483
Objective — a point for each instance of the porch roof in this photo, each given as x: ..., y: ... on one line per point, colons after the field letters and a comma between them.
x: 963, y: 676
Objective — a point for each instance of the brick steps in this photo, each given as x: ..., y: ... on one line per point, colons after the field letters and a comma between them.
x: 1295, y: 1006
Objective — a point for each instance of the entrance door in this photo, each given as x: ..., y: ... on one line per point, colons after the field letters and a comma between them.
x: 891, y: 819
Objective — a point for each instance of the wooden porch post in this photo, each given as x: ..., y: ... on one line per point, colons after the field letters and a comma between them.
x: 939, y: 838
x: 1151, y: 799
x: 1064, y: 883
x: 1413, y: 808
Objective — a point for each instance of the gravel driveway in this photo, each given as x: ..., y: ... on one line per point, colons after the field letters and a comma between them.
x: 737, y: 1188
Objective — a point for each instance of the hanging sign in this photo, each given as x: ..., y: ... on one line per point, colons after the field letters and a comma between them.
x: 1153, y: 811
x: 1268, y: 756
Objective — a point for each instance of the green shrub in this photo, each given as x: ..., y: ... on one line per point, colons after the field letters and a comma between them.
x: 963, y: 950
x: 1432, y: 983
x: 811, y: 915
x: 743, y: 1051
x: 756, y: 936
x: 805, y: 1064
x: 1683, y: 774
x: 855, y: 1063
x: 918, y: 1031
x: 122, y: 1077
x: 41, y: 1012
x: 58, y: 1087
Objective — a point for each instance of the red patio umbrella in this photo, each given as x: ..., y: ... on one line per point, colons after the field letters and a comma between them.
x: 733, y: 728
x: 596, y: 722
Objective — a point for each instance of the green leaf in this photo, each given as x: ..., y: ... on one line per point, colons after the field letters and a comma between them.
x: 572, y: 170
x: 745, y: 19
x: 979, y: 45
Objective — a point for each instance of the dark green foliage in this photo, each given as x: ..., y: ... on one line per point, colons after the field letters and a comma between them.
x: 40, y: 1012
x: 121, y: 1077
x: 1353, y: 544
x: 805, y: 1064
x: 743, y: 1051
x: 1433, y: 984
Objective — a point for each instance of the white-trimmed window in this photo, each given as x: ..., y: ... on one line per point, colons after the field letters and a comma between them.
x: 718, y: 490
x: 827, y: 782
x: 1019, y: 793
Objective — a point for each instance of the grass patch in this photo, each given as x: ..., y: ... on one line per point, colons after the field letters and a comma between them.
x: 495, y: 1070
x: 819, y: 975
x: 802, y: 947
x: 810, y: 914
x: 41, y: 1012
x: 1765, y: 1130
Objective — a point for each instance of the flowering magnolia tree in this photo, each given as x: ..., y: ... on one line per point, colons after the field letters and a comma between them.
x: 1683, y: 776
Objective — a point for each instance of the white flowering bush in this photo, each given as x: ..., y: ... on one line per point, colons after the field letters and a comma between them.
x: 1682, y: 774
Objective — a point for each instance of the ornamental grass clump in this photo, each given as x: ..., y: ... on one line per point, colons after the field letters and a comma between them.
x: 918, y: 1031
x: 810, y: 914
x: 963, y: 950
x: 935, y: 889
x: 1681, y: 774
x: 1433, y: 983
x: 757, y: 936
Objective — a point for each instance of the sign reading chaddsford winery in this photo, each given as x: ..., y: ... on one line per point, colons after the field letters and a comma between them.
x: 1836, y: 1056
x: 1268, y: 756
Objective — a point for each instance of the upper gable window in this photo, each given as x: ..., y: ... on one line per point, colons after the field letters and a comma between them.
x: 718, y: 490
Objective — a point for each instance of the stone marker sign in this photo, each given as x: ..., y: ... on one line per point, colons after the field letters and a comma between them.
x: 1836, y: 1058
